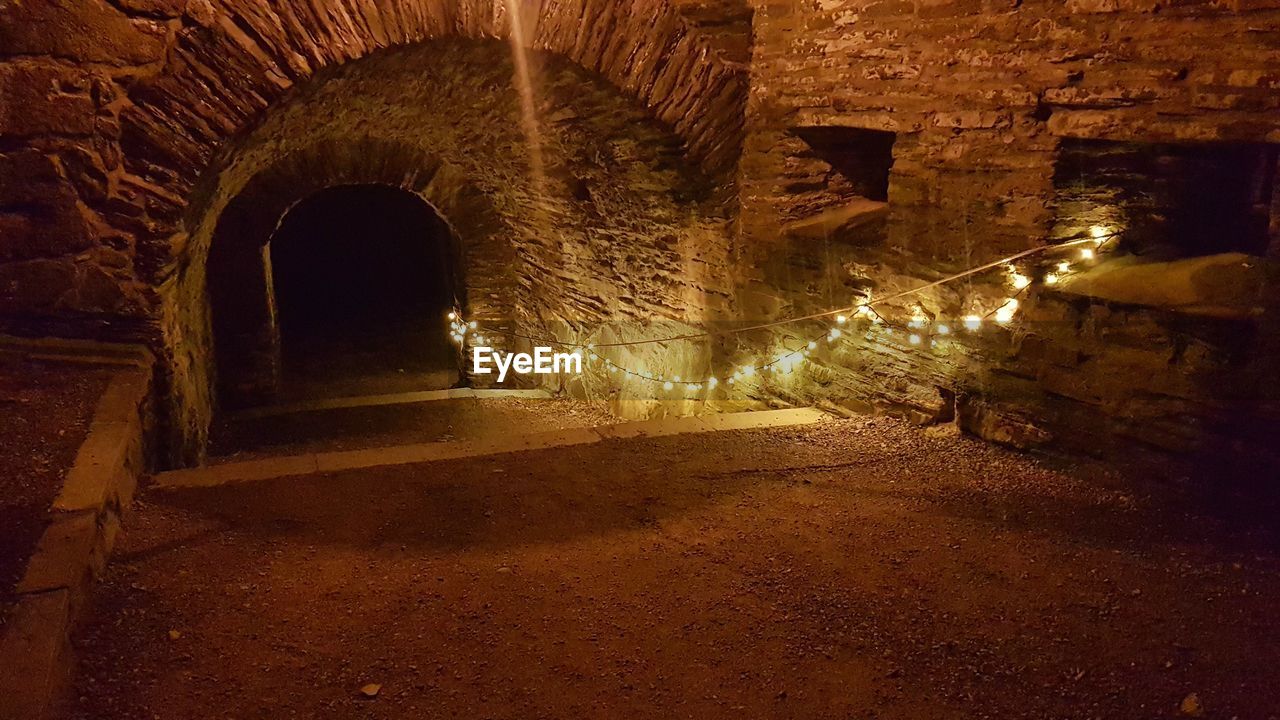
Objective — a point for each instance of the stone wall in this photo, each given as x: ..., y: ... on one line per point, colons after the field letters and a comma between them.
x: 114, y: 111
x: 979, y: 96
x: 139, y: 135
x: 601, y: 223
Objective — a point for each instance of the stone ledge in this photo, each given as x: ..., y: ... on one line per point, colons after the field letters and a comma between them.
x: 434, y: 452
x: 73, y: 550
x: 36, y: 652
x: 86, y: 351
x: 838, y: 219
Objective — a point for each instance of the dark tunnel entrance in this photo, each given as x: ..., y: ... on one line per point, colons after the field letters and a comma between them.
x: 363, y: 277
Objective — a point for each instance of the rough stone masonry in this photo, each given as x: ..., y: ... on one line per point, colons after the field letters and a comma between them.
x: 706, y: 162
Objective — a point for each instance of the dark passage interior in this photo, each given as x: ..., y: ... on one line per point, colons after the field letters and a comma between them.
x: 1171, y: 200
x: 363, y: 279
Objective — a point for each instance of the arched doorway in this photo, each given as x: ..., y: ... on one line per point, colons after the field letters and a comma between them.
x: 362, y: 277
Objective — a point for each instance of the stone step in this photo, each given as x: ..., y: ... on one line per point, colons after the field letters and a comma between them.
x: 313, y: 463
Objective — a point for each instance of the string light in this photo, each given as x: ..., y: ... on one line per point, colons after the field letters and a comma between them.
x: 786, y: 362
x: 1005, y: 314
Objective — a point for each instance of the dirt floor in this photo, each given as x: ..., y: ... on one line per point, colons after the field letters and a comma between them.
x: 45, y: 410
x: 854, y: 569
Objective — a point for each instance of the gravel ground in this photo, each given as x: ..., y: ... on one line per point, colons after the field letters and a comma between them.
x: 856, y: 569
x: 45, y: 409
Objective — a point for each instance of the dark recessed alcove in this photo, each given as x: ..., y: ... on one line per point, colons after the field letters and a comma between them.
x: 362, y: 281
x: 1167, y: 199
x: 863, y: 157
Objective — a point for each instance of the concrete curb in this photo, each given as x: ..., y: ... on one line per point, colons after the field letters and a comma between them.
x: 74, y: 548
x: 315, y: 463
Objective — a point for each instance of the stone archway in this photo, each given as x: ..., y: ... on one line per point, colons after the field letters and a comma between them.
x: 154, y: 100
x: 611, y: 222
x: 246, y: 331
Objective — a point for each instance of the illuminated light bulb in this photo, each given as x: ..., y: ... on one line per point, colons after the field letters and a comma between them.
x: 813, y: 344
x: 731, y: 381
x: 1064, y: 266
x: 864, y: 310
x: 1019, y: 281
x: 748, y: 371
x: 914, y: 339
x: 473, y: 325
x: 691, y: 387
x: 453, y: 316
x: 1087, y: 254
x: 917, y: 323
x: 676, y: 378
x: 944, y: 330
x: 972, y: 322
x: 834, y: 334
x: 841, y: 319
x: 1050, y: 279
x: 1100, y: 232
x: 668, y: 385
x: 713, y: 382
x: 1006, y: 312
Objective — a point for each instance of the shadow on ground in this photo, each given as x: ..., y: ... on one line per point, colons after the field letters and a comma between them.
x: 851, y: 569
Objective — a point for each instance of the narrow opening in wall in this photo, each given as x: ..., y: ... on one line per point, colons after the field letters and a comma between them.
x: 362, y: 279
x: 1168, y: 200
x: 860, y: 158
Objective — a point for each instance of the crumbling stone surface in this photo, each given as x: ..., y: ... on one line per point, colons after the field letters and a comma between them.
x: 115, y: 111
x: 600, y: 222
x: 133, y: 128
x: 980, y: 97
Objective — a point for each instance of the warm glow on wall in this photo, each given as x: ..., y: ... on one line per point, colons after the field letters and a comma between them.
x: 919, y: 328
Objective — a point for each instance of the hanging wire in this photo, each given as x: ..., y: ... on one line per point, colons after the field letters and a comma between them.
x: 461, y: 326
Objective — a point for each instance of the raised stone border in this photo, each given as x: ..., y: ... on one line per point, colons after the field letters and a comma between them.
x: 404, y: 398
x: 97, y: 491
x: 315, y: 463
